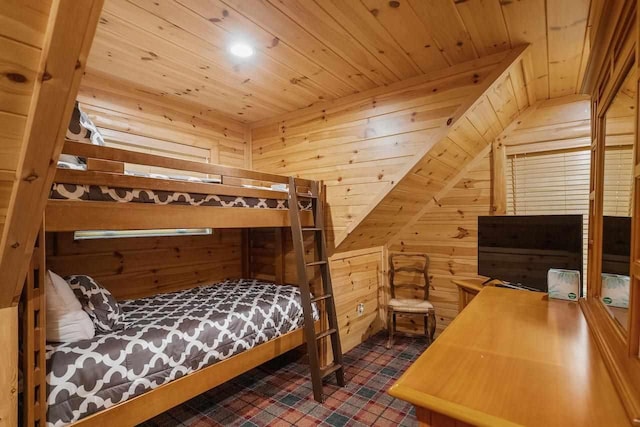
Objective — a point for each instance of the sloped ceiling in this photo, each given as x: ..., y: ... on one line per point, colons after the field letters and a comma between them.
x: 384, y: 154
x: 479, y: 119
x: 309, y: 52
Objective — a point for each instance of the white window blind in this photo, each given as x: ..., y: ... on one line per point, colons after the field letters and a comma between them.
x: 618, y: 180
x: 550, y: 183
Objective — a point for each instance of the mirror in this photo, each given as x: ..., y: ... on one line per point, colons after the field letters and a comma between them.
x: 617, y: 195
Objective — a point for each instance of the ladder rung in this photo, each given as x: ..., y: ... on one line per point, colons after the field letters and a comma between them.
x: 323, y: 297
x: 329, y: 369
x: 325, y: 333
x: 306, y: 195
x: 311, y: 264
x: 311, y: 229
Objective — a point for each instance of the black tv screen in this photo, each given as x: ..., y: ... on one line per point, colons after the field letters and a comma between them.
x: 616, y: 244
x: 522, y: 249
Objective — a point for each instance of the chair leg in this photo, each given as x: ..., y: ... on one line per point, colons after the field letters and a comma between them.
x: 432, y: 324
x: 426, y: 324
x: 391, y: 326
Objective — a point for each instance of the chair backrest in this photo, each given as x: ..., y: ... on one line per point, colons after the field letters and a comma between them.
x: 414, y: 263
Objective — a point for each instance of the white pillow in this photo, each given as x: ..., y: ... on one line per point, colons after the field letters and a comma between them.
x: 66, y: 320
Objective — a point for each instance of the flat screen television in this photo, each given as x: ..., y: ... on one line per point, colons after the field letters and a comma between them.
x: 522, y: 249
x: 616, y: 244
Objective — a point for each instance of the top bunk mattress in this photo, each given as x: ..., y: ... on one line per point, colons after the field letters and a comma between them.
x: 167, y: 336
x: 103, y: 193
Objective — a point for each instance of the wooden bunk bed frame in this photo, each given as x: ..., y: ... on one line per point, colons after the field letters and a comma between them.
x: 106, y: 167
x: 71, y: 215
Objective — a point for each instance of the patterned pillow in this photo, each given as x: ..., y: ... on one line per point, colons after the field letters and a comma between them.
x: 82, y: 129
x: 98, y: 302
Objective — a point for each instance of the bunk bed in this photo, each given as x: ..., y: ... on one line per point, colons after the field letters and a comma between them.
x: 104, y: 195
x: 119, y: 200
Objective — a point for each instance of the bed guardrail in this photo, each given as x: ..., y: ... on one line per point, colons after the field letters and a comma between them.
x: 105, y: 167
x: 226, y: 173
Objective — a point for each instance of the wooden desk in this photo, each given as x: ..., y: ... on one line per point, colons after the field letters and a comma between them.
x: 468, y: 289
x: 513, y: 358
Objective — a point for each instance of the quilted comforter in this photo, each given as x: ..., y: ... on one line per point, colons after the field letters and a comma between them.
x: 167, y: 336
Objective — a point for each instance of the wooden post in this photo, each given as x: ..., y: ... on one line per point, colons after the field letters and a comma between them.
x: 67, y: 41
x: 245, y: 257
x: 498, y: 178
x: 383, y: 292
x: 279, y: 255
x: 9, y: 367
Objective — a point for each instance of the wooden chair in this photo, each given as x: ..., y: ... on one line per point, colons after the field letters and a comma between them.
x: 410, y: 305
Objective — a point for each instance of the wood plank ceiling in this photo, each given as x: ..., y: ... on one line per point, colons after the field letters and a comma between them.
x: 310, y: 51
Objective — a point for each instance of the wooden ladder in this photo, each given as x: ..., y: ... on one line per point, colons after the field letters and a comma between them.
x: 318, y: 373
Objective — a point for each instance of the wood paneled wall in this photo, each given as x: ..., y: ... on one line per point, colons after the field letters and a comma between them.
x: 358, y: 145
x: 358, y: 278
x: 555, y: 124
x: 448, y: 230
x: 448, y: 233
x: 142, y: 266
x: 135, y: 267
x: 131, y: 118
x: 491, y: 105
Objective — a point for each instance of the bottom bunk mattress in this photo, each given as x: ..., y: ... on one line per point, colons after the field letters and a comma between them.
x: 167, y: 336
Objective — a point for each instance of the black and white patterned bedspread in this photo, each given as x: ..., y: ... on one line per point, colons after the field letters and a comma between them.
x: 167, y: 337
x: 101, y: 193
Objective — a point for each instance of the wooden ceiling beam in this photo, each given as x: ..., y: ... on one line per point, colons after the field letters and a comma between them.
x: 68, y: 37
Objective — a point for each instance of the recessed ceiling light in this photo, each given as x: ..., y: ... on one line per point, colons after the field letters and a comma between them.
x: 242, y: 50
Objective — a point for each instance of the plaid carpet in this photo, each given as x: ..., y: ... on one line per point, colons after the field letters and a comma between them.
x: 279, y: 393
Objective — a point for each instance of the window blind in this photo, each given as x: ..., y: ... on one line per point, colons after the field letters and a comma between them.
x: 618, y: 180
x: 551, y: 183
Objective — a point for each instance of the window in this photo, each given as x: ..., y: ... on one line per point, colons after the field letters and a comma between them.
x: 551, y: 183
x: 114, y: 234
x: 618, y: 180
